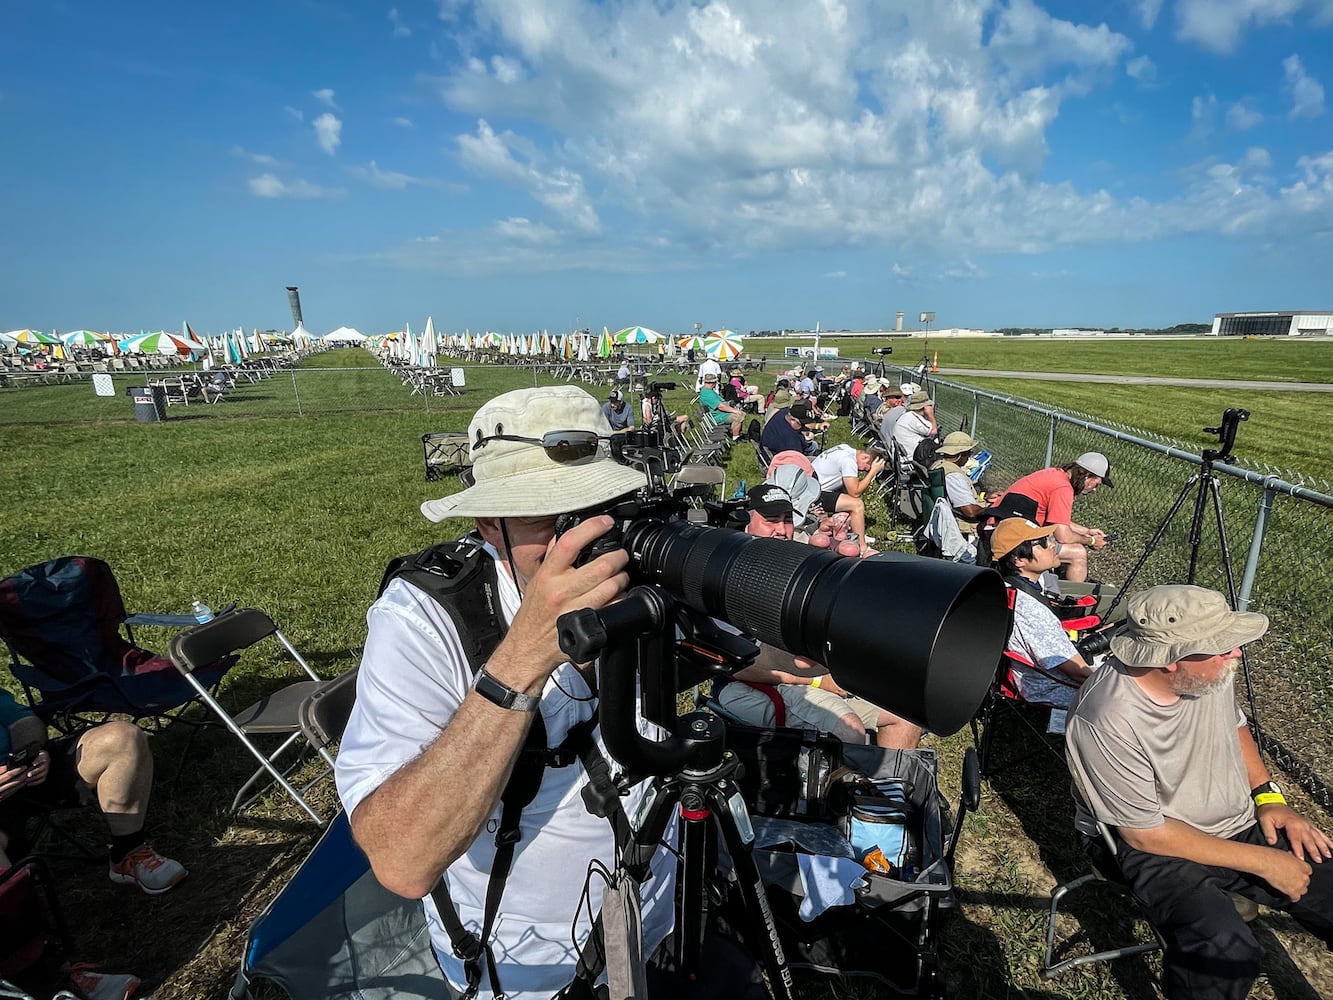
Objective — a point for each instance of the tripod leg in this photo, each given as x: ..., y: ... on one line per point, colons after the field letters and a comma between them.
x: 691, y: 878
x: 761, y: 931
x: 1152, y: 543
x: 1225, y: 548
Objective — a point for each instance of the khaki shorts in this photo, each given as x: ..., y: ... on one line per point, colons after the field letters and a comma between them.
x: 807, y: 707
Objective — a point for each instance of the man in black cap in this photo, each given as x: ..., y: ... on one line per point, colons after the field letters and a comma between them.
x: 617, y: 412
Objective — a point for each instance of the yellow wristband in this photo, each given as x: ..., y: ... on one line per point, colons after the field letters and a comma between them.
x: 1270, y: 798
x: 814, y: 683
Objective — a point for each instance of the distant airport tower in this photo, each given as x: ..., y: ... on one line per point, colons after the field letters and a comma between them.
x: 294, y: 300
x: 1287, y: 323
x: 898, y: 322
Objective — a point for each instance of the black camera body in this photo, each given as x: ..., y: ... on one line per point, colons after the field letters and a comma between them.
x: 881, y: 350
x: 657, y: 388
x: 1095, y: 643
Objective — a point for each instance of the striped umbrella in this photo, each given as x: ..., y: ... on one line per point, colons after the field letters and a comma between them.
x: 28, y: 337
x: 723, y: 345
x: 83, y: 338
x: 693, y: 341
x: 636, y: 335
x: 159, y: 343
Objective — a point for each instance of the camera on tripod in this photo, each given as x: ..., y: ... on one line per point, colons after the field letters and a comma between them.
x: 657, y: 388
x: 881, y: 350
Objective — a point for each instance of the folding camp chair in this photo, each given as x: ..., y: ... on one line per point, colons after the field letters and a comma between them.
x: 34, y: 938
x: 274, y: 715
x: 61, y: 621
x: 324, y: 713
x: 713, y: 477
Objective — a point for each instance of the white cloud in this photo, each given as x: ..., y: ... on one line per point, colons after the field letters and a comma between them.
x: 328, y: 132
x: 1141, y: 68
x: 271, y: 186
x: 392, y: 180
x: 559, y: 189
x: 325, y: 96
x: 732, y: 127
x: 1147, y: 11
x: 1242, y: 116
x: 295, y: 113
x: 1306, y: 93
x: 900, y: 271
x: 263, y: 159
x: 400, y: 29
x: 834, y: 275
x: 1219, y: 25
x: 402, y: 122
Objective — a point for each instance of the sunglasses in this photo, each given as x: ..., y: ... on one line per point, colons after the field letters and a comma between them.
x: 560, y: 446
x: 1048, y: 542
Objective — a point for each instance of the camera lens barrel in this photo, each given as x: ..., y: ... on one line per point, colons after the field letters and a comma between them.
x: 918, y: 637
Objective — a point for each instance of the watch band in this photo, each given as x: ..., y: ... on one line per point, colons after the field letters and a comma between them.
x: 503, y: 695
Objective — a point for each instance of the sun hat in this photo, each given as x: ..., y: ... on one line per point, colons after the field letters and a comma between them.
x: 887, y: 391
x: 769, y: 499
x: 1164, y: 624
x: 872, y: 385
x: 1098, y: 464
x: 1014, y: 530
x: 519, y: 479
x: 710, y: 376
x: 919, y: 403
x: 956, y: 443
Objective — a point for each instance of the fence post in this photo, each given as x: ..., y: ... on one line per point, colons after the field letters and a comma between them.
x: 296, y: 392
x: 1050, y: 442
x: 976, y: 412
x: 1256, y: 546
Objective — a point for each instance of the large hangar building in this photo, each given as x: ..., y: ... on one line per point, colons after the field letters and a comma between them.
x: 1288, y: 323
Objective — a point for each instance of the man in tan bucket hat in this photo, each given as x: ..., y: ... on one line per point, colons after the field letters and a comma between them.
x: 1161, y: 755
x: 431, y: 744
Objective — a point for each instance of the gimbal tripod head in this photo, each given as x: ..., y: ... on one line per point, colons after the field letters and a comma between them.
x: 1226, y: 434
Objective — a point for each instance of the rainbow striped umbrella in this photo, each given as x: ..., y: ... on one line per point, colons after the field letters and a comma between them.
x: 159, y: 343
x: 693, y: 341
x: 723, y: 345
x: 28, y: 337
x: 83, y: 338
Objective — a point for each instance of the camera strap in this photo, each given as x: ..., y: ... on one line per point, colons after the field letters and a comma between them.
x: 462, y: 579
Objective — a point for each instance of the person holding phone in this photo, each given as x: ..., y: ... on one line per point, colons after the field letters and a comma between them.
x: 108, y: 764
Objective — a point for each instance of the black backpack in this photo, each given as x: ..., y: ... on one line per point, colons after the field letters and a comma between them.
x: 926, y: 452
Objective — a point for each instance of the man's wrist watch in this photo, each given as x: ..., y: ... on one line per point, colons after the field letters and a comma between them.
x: 503, y: 695
x: 1268, y: 794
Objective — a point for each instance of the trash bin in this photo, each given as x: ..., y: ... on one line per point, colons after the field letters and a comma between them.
x: 150, y: 402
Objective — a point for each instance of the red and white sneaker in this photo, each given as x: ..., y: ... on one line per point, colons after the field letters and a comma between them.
x: 102, y: 985
x: 149, y: 870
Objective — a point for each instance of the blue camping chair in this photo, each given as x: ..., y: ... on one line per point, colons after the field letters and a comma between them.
x: 335, y: 932
x: 62, y: 622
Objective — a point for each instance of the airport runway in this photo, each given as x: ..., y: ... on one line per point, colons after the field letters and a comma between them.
x: 1191, y: 383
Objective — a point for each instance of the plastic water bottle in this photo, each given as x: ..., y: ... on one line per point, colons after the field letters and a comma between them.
x: 201, y: 611
x: 740, y: 491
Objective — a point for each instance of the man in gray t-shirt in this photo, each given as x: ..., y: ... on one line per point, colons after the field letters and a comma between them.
x: 1160, y: 754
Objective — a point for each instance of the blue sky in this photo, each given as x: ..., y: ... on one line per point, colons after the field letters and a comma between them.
x: 528, y: 164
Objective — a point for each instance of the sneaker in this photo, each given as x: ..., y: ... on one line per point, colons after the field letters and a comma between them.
x: 102, y: 985
x: 147, y: 869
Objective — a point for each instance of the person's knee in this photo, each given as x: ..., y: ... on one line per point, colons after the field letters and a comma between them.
x: 850, y: 729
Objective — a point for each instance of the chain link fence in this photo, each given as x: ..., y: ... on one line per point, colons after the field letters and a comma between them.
x: 1275, y: 528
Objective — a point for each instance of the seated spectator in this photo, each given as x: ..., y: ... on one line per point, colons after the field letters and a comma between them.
x: 1053, y: 490
x: 811, y: 697
x: 1023, y: 551
x: 653, y: 411
x: 914, y: 426
x: 888, y: 415
x: 1161, y: 756
x: 719, y: 410
x: 787, y: 431
x: 618, y: 413
x: 870, y: 398
x: 110, y: 764
x: 780, y: 397
x: 968, y: 506
x: 844, y: 473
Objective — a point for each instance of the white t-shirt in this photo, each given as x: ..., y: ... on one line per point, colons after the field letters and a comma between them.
x: 413, y: 677
x: 834, y: 465
x: 709, y: 365
x: 909, y: 432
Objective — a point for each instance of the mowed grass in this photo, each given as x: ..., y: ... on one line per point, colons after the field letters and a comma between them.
x: 298, y: 515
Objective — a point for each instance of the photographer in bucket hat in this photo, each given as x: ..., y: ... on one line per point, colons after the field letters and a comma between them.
x: 1162, y: 756
x: 430, y: 745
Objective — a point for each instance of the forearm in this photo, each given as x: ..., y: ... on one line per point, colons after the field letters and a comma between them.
x: 1180, y: 840
x: 1075, y: 668
x: 1072, y: 534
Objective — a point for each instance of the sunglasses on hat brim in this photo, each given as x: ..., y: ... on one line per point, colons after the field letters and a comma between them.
x: 560, y: 446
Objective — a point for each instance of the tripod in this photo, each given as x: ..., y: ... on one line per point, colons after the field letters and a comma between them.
x: 694, y: 775
x: 1205, y: 484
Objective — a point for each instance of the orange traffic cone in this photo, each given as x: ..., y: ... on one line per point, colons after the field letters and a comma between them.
x: 935, y: 365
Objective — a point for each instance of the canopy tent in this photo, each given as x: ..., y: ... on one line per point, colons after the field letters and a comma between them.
x: 345, y: 335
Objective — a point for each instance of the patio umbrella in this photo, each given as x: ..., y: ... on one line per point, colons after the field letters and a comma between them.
x: 604, y: 343
x: 83, y: 338
x: 159, y: 343
x: 636, y: 335
x: 723, y: 345
x: 28, y: 337
x: 692, y: 341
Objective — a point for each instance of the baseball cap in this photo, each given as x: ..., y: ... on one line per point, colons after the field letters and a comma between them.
x: 615, y: 395
x: 518, y: 478
x: 769, y: 499
x: 1164, y: 624
x: 1011, y: 531
x: 1098, y: 464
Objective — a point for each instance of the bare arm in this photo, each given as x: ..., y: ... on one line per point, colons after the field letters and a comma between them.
x: 855, y: 487
x: 428, y: 812
x: 1308, y: 842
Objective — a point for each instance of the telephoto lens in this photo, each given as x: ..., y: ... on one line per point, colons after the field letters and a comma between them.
x: 918, y: 637
x: 1095, y: 643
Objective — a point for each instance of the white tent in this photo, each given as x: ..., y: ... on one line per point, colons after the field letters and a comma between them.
x: 345, y: 335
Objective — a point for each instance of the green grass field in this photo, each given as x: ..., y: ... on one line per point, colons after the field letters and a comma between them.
x: 247, y: 501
